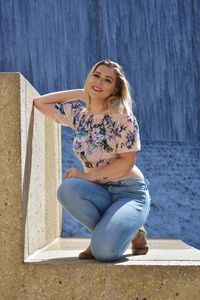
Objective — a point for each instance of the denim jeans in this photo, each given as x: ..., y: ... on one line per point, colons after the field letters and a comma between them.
x: 114, y: 212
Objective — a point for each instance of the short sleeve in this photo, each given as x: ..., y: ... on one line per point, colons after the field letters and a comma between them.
x: 66, y: 113
x: 127, y: 135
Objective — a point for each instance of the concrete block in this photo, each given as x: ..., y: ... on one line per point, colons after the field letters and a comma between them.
x: 36, y: 263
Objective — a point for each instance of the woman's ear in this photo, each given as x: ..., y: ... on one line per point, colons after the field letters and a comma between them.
x: 115, y: 91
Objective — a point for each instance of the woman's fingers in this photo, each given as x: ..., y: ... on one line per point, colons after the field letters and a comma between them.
x: 66, y: 174
x: 75, y: 173
x: 71, y: 173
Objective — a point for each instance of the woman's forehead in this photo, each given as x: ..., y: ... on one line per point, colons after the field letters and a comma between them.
x: 106, y: 71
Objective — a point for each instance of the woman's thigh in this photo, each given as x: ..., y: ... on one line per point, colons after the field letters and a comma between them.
x: 77, y: 192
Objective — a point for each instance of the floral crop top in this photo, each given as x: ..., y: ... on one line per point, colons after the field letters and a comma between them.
x: 99, y: 138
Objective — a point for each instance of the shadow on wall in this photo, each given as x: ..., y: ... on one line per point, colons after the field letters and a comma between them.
x: 27, y: 171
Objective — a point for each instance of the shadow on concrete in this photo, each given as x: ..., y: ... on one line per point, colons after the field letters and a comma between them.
x: 27, y: 174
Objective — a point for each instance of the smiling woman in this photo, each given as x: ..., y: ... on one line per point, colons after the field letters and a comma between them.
x: 106, y: 87
x: 101, y: 85
x: 110, y: 197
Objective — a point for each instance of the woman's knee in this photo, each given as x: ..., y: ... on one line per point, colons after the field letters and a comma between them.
x: 65, y: 191
x: 71, y: 192
x: 105, y: 251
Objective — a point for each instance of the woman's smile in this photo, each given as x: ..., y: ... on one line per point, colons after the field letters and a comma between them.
x: 96, y: 89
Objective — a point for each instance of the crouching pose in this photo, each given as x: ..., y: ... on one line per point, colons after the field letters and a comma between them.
x: 110, y: 196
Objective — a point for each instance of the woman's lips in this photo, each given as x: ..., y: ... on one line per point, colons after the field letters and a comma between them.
x: 96, y: 89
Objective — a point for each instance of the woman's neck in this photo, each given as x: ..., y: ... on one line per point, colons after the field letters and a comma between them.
x: 96, y: 109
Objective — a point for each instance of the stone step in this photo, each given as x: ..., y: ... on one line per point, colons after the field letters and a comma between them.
x: 171, y: 252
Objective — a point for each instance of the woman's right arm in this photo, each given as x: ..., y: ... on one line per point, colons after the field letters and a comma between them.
x: 45, y: 103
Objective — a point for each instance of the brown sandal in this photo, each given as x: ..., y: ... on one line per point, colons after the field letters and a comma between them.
x: 139, y: 244
x: 86, y: 254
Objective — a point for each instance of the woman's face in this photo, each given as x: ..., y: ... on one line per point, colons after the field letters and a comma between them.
x: 102, y: 83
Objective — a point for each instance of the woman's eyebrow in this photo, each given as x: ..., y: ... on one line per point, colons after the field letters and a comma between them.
x: 105, y: 75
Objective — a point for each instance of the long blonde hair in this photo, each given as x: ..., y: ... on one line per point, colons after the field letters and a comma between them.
x: 122, y: 100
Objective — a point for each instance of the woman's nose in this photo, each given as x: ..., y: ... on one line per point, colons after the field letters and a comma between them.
x: 100, y: 81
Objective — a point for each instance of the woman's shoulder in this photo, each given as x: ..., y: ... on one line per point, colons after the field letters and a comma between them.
x: 77, y: 105
x: 73, y: 107
x: 122, y: 115
x: 71, y: 104
x: 124, y: 121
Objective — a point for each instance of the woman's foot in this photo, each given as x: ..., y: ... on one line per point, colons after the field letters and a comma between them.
x: 139, y: 246
x: 86, y: 254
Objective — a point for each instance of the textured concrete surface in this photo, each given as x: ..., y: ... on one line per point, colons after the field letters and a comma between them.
x: 161, y: 252
x: 24, y: 212
x: 32, y: 144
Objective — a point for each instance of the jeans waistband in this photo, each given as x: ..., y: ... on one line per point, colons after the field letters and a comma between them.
x: 131, y: 181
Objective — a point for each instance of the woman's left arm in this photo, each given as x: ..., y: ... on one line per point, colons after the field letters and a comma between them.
x: 116, y: 169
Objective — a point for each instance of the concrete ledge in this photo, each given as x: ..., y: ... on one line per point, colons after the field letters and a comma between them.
x: 161, y: 253
x: 30, y: 224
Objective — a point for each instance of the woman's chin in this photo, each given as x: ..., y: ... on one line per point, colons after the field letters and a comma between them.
x: 96, y: 95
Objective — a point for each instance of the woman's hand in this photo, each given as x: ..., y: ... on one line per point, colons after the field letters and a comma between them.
x: 75, y: 173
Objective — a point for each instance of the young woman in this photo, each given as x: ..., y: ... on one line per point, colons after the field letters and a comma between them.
x: 110, y: 196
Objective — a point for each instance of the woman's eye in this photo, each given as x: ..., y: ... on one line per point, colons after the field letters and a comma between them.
x: 108, y: 80
x: 96, y: 75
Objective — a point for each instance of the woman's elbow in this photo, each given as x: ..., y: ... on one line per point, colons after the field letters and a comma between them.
x: 38, y: 103
x: 129, y: 160
x: 130, y: 165
x: 35, y: 101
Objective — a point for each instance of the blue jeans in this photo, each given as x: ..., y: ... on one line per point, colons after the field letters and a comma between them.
x: 114, y: 212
